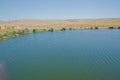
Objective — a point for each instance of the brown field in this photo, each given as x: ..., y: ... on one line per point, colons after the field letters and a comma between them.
x: 57, y: 24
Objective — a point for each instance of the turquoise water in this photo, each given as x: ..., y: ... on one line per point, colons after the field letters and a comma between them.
x: 63, y: 55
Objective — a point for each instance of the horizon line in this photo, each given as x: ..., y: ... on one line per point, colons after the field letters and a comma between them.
x: 57, y: 19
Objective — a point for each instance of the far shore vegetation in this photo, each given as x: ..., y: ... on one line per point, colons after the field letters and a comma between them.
x: 14, y: 33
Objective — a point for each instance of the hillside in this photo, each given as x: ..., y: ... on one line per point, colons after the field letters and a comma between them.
x: 58, y: 24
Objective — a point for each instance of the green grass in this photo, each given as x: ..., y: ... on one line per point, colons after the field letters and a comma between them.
x: 10, y: 34
x: 26, y: 30
x: 41, y: 30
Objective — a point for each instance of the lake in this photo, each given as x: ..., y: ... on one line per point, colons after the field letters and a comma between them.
x: 63, y: 55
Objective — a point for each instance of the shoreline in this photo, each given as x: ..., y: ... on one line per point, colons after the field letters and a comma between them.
x: 16, y: 33
x: 16, y: 28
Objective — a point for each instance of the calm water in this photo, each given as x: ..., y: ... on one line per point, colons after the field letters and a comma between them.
x: 63, y: 55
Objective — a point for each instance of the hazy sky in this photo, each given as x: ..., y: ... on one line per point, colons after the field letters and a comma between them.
x: 58, y: 9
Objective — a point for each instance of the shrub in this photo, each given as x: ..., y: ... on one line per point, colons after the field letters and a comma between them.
x: 91, y: 27
x: 20, y: 32
x: 70, y: 28
x: 34, y: 30
x: 118, y: 27
x: 63, y: 29
x: 96, y: 28
x: 8, y: 34
x: 111, y: 27
x: 1, y: 37
x: 26, y: 30
x: 51, y: 30
x: 44, y: 30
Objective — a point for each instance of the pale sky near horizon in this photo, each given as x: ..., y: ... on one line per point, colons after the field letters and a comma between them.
x: 58, y: 9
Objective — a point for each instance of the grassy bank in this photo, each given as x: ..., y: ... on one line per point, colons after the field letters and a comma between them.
x: 15, y: 33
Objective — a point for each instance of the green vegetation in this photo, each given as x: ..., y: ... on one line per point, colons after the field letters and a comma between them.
x: 41, y: 30
x: 20, y: 32
x: 70, y: 28
x: 14, y: 33
x: 26, y: 30
x: 34, y: 30
x: 10, y: 34
x: 111, y: 27
x: 51, y: 30
x: 96, y: 28
x: 1, y: 37
x: 118, y: 27
x: 91, y: 27
x: 63, y: 29
x: 38, y: 30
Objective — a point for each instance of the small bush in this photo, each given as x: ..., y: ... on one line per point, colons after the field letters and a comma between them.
x: 44, y: 30
x: 26, y: 30
x: 91, y: 27
x: 111, y: 27
x: 1, y: 37
x: 70, y: 28
x: 20, y: 32
x: 63, y: 29
x: 8, y: 34
x: 51, y: 30
x: 96, y: 28
x: 34, y: 30
x: 118, y: 27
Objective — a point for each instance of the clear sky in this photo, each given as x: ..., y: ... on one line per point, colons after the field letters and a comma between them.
x: 58, y: 9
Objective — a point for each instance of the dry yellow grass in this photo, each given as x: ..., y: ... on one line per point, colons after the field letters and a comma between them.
x: 57, y: 24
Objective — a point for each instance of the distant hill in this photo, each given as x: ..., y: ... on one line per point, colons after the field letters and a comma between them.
x: 58, y: 24
x: 73, y: 23
x: 38, y: 20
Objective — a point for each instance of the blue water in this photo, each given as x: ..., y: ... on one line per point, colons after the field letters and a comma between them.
x: 63, y: 55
